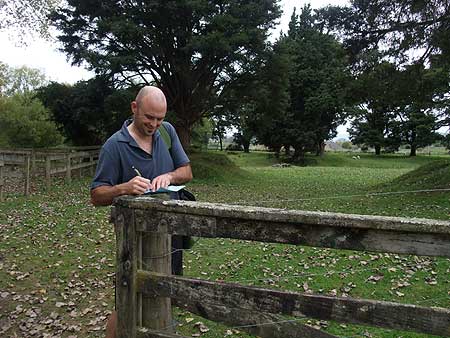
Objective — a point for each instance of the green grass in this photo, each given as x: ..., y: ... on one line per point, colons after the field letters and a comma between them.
x: 56, y: 248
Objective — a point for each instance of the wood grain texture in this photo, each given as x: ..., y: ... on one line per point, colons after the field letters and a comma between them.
x: 126, y: 268
x: 354, y: 232
x: 264, y: 325
x: 348, y: 310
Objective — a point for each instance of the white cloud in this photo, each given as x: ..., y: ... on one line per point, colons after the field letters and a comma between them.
x: 42, y: 55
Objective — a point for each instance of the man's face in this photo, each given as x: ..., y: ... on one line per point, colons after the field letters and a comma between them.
x: 147, y: 117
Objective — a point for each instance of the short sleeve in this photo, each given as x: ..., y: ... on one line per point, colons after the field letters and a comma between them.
x: 107, y: 170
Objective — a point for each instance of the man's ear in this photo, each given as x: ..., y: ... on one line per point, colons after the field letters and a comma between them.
x: 134, y: 107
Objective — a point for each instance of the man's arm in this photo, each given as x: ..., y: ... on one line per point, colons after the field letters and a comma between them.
x: 180, y: 175
x: 104, y: 194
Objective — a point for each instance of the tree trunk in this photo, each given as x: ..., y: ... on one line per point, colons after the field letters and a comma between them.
x: 413, y: 144
x: 246, y: 146
x: 221, y: 142
x: 287, y: 150
x: 377, y: 149
x: 184, y: 133
x: 299, y: 154
x: 276, y: 150
x: 320, y: 149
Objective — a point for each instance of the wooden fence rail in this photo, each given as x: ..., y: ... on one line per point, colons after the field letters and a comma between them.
x: 143, y: 226
x: 28, y: 163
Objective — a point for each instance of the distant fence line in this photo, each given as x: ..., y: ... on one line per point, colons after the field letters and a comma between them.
x: 145, y: 289
x: 27, y: 163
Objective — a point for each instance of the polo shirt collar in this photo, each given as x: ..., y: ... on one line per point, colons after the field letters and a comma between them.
x: 124, y: 134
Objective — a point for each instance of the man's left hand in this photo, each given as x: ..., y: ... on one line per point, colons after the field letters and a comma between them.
x: 162, y: 181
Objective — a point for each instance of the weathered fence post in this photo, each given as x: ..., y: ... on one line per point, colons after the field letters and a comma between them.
x: 80, y: 161
x: 48, y: 169
x: 155, y: 312
x: 126, y: 256
x: 68, y: 167
x: 1, y: 180
x: 91, y: 161
x: 33, y: 162
x: 27, y: 163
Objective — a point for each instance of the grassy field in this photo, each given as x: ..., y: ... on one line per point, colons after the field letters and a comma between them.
x: 57, y: 251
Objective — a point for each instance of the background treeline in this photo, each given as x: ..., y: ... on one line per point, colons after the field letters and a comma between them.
x: 381, y: 66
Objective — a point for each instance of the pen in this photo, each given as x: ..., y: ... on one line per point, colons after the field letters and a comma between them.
x: 136, y: 171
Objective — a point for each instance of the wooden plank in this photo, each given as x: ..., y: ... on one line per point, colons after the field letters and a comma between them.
x: 260, y: 324
x: 156, y: 311
x: 338, y: 220
x: 332, y: 230
x: 147, y: 333
x: 84, y: 165
x: 126, y: 267
x: 68, y: 167
x: 348, y: 310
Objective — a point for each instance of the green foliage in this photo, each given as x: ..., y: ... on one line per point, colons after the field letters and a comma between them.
x: 201, y: 134
x: 89, y: 111
x: 25, y: 122
x: 397, y: 26
x: 272, y: 101
x: 347, y: 145
x: 192, y: 49
x: 318, y: 85
x: 397, y: 106
x: 21, y: 80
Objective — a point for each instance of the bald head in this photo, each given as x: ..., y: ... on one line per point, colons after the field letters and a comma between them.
x: 149, y: 110
x: 152, y: 95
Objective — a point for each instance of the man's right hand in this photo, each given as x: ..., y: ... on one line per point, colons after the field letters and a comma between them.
x: 104, y: 195
x: 138, y: 185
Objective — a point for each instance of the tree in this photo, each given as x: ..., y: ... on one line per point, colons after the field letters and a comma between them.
x: 318, y: 85
x: 272, y: 114
x: 410, y: 31
x: 25, y: 122
x: 22, y: 17
x: 192, y: 48
x: 422, y: 91
x: 375, y: 89
x: 21, y: 80
x: 89, y: 111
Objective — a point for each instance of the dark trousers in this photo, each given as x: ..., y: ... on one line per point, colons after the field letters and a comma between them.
x: 177, y: 255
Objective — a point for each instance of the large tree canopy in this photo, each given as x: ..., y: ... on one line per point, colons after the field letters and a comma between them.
x: 89, y: 111
x: 190, y: 48
x: 409, y: 30
x: 318, y: 84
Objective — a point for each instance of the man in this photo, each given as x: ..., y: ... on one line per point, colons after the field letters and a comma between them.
x: 136, y: 159
x: 139, y: 146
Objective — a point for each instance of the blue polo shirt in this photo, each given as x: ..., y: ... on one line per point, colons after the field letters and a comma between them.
x: 121, y: 152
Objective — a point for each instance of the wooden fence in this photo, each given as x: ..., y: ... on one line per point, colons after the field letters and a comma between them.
x: 2, y: 164
x: 143, y: 297
x: 28, y: 163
